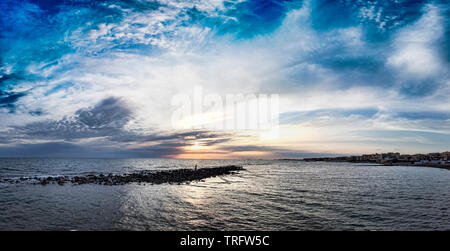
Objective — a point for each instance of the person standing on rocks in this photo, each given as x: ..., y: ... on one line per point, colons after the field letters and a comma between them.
x: 195, y: 168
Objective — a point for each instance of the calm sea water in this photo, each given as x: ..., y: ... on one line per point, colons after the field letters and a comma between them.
x: 269, y: 195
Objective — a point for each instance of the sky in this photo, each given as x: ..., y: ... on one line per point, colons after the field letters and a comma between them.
x: 97, y: 78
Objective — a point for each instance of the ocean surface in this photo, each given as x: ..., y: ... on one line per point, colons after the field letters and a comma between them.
x: 268, y: 195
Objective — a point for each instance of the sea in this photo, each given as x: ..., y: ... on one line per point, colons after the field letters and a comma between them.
x: 267, y: 195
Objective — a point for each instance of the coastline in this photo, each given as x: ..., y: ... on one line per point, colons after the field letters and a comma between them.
x: 447, y: 167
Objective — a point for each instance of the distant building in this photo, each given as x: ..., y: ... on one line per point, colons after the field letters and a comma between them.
x: 395, y: 157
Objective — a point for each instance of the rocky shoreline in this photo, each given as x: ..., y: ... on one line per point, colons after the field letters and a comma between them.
x: 177, y: 176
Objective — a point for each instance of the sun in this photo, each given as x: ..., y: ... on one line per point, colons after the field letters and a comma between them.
x: 196, y: 146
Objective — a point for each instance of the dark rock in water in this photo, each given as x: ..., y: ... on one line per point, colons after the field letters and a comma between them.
x: 60, y: 182
x: 177, y: 176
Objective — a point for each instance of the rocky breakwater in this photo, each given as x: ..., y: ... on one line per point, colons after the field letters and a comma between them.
x: 176, y: 176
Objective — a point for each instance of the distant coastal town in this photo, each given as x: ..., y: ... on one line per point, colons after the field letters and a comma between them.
x: 441, y: 160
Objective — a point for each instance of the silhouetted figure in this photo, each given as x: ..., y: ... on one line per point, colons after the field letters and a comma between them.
x: 195, y: 167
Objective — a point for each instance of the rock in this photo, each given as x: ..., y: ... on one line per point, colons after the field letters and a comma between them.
x: 179, y: 176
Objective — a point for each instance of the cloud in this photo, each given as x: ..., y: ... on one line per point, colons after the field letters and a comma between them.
x: 71, y: 150
x: 108, y: 119
x: 53, y: 149
x: 105, y: 71
x: 105, y: 119
x: 7, y: 99
x: 274, y: 151
x: 4, y: 140
x: 424, y: 115
x: 296, y: 117
x: 101, y: 130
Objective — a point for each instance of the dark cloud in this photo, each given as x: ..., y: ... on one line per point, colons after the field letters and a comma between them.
x: 187, y: 136
x: 214, y: 141
x: 162, y: 150
x: 109, y: 113
x: 419, y: 88
x: 70, y: 150
x: 105, y: 119
x: 6, y: 79
x: 54, y: 149
x: 7, y: 99
x: 4, y: 140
